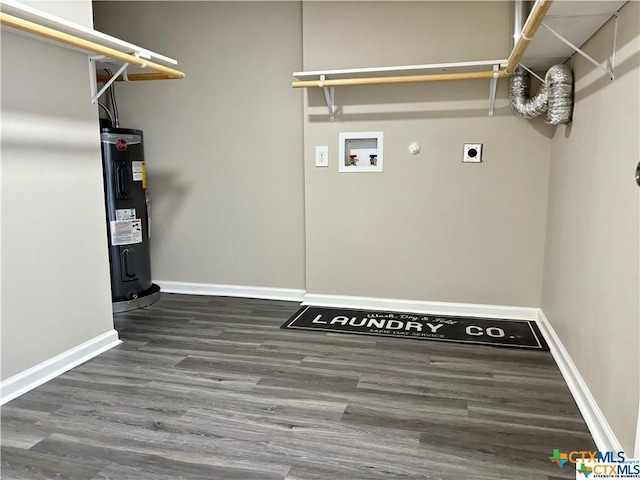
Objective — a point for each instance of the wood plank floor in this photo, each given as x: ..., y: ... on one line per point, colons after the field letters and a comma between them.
x: 211, y: 388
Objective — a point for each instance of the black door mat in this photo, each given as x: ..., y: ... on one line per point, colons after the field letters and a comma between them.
x: 420, y: 326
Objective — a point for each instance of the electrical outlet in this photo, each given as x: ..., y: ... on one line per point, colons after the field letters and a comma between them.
x: 472, y: 153
x: 322, y: 156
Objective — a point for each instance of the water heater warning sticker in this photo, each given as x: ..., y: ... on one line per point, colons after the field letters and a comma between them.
x: 139, y: 170
x: 126, y: 232
x: 126, y: 214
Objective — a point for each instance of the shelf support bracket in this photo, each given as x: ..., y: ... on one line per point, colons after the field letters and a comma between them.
x: 493, y: 84
x: 93, y: 76
x: 585, y: 55
x: 329, y: 96
x: 93, y: 81
x: 95, y: 95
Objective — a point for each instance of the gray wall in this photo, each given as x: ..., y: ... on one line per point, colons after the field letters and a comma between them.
x: 224, y: 145
x: 225, y: 156
x: 55, y: 267
x: 225, y: 153
x: 591, y: 287
x: 78, y: 11
x: 428, y: 227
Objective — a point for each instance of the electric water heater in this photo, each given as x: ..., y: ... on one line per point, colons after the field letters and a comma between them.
x: 128, y: 219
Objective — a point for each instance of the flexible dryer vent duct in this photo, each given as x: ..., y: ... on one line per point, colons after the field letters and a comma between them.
x: 555, y: 95
x: 556, y: 92
x: 519, y: 93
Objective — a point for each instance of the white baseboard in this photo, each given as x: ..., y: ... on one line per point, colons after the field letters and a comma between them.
x: 415, y: 306
x: 35, y: 376
x: 289, y: 294
x: 600, y: 429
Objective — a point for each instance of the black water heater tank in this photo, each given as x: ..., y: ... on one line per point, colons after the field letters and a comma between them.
x: 128, y: 218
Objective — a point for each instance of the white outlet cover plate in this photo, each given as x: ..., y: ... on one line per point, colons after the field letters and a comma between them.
x: 472, y: 153
x: 322, y: 156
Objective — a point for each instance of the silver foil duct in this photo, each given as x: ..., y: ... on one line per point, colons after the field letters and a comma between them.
x: 560, y: 80
x: 524, y: 106
x: 555, y: 95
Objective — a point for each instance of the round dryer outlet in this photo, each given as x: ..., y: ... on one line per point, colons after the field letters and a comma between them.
x: 472, y: 153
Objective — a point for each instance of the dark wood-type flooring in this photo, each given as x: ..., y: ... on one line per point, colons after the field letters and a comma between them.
x: 212, y: 388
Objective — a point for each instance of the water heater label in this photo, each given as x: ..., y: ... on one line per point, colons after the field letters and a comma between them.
x: 126, y: 232
x: 114, y: 138
x: 126, y: 214
x: 139, y: 170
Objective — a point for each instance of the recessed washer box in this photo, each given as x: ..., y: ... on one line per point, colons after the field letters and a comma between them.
x: 360, y: 152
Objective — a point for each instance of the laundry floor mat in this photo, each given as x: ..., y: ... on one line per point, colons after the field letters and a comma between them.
x: 420, y: 326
